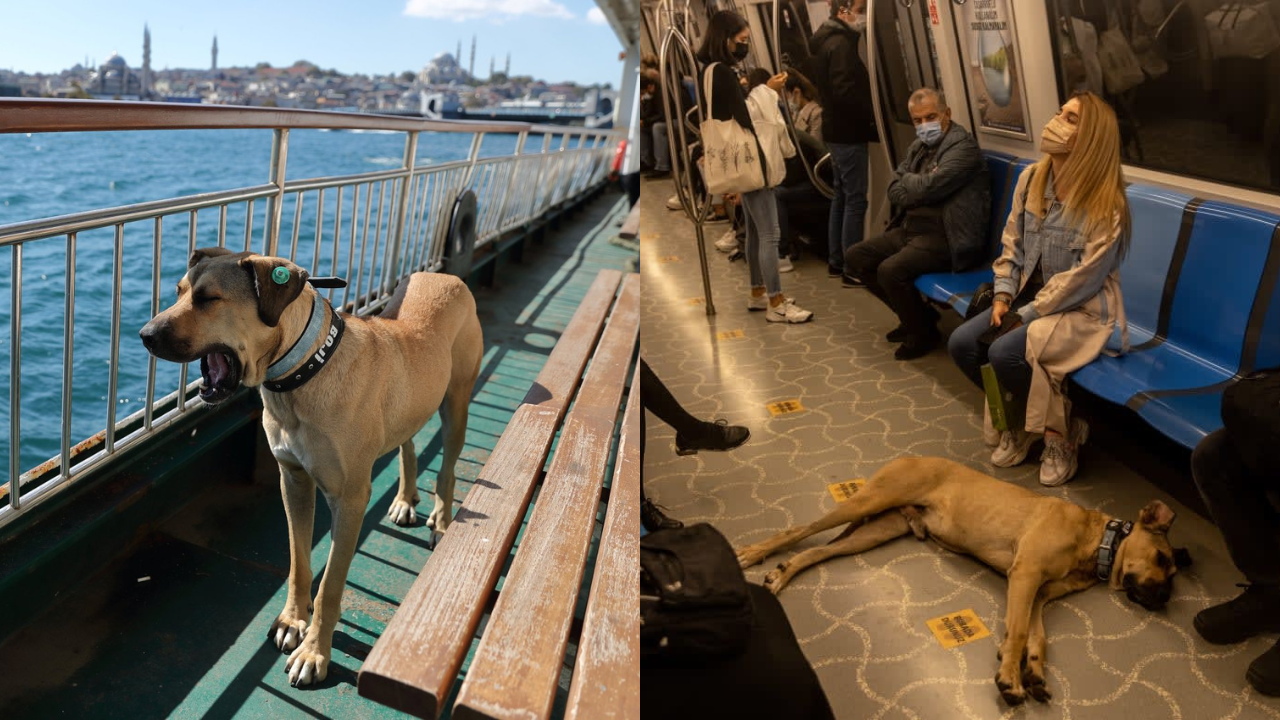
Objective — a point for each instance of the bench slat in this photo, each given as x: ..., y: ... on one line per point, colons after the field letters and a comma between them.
x: 559, y: 377
x: 517, y: 666
x: 413, y: 664
x: 606, y: 674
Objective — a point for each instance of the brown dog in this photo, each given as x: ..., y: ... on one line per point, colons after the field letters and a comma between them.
x: 368, y: 385
x: 1046, y: 546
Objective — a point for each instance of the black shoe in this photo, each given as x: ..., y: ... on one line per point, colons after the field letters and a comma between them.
x: 833, y: 271
x: 898, y: 334
x: 657, y: 174
x: 1255, y: 611
x: 1264, y: 672
x: 653, y: 519
x: 850, y: 281
x: 916, y: 347
x: 719, y: 435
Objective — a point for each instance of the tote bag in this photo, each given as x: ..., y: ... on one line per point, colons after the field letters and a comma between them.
x: 731, y: 158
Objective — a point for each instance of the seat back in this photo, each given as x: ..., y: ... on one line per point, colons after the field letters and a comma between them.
x: 1000, y: 167
x: 1267, y: 307
x: 1215, y: 293
x: 1162, y: 221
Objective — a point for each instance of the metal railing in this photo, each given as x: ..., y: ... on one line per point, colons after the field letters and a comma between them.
x: 371, y: 228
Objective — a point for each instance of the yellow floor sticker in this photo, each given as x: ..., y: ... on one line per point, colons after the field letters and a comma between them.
x: 785, y: 407
x: 663, y: 260
x: 696, y: 301
x: 958, y: 628
x: 845, y: 489
x: 730, y: 335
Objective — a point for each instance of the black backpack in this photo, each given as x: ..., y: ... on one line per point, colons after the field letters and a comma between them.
x: 1251, y: 415
x: 693, y: 596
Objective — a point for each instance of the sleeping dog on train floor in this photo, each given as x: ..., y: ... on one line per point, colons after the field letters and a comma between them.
x: 337, y: 394
x: 1046, y: 546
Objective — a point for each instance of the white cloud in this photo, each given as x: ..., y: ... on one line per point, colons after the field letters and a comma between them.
x: 595, y: 16
x: 485, y: 9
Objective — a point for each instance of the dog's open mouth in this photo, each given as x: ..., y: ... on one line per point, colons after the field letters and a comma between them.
x: 221, y: 373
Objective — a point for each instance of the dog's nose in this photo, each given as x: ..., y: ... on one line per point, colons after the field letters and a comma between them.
x: 149, y: 333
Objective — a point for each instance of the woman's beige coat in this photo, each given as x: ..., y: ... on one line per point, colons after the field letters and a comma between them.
x: 1060, y: 341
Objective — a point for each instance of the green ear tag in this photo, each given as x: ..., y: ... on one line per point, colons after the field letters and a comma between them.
x: 280, y: 275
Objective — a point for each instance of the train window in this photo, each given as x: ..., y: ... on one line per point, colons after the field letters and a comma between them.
x: 1195, y: 83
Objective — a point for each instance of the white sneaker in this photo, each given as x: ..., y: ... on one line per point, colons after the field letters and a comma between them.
x: 990, y: 435
x: 758, y: 302
x: 728, y: 242
x: 673, y: 203
x: 784, y: 265
x: 788, y: 312
x: 1013, y: 448
x: 1059, y: 463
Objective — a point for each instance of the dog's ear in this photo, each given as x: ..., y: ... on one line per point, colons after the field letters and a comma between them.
x: 202, y: 253
x: 1156, y: 517
x: 1181, y: 558
x: 277, y: 282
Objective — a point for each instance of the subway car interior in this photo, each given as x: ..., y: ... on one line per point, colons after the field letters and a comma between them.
x: 908, y: 629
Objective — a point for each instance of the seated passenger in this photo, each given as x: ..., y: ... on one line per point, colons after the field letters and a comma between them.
x: 1057, y: 284
x: 1235, y: 488
x: 806, y: 111
x: 941, y: 199
x: 799, y: 202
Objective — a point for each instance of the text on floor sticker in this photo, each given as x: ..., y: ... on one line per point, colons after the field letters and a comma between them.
x: 845, y: 489
x: 730, y: 335
x: 784, y: 407
x: 958, y: 628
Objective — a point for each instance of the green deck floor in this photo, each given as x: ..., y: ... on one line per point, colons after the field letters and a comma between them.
x: 191, y: 642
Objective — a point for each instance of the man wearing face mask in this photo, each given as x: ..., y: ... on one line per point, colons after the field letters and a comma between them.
x: 941, y: 202
x: 848, y: 124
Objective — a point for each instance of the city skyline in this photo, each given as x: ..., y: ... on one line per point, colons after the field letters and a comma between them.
x: 44, y: 41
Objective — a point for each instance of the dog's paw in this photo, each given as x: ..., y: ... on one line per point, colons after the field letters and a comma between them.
x: 287, y: 632
x: 1012, y: 692
x: 1035, y: 686
x: 439, y: 519
x: 402, y: 513
x: 749, y: 556
x: 307, y: 665
x: 776, y: 579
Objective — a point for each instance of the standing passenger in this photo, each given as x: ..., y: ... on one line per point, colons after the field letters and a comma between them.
x: 848, y: 124
x: 1057, y: 284
x: 725, y: 44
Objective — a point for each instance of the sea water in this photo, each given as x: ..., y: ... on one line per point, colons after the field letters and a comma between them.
x: 45, y: 175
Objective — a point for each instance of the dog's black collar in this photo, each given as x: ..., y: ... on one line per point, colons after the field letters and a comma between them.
x: 318, y: 359
x: 1115, y: 534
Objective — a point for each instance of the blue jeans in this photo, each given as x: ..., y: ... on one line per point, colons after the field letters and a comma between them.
x: 849, y: 206
x: 760, y: 209
x: 1007, y: 355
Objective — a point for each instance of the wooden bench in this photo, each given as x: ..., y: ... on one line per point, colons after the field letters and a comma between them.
x: 517, y: 666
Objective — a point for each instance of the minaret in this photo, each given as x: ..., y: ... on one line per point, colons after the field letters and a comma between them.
x: 458, y: 56
x: 214, y: 67
x: 471, y: 69
x: 507, y: 70
x: 146, y: 62
x: 490, y: 68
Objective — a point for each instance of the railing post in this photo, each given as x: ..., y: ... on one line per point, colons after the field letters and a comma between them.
x: 474, y: 155
x: 511, y: 180
x: 275, y: 204
x: 15, y: 380
x: 402, y: 205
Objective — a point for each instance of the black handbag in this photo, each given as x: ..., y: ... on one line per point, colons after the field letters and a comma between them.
x: 1251, y: 416
x: 981, y: 300
x: 694, y: 602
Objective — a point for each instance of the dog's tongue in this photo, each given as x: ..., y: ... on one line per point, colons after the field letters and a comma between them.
x: 219, y: 368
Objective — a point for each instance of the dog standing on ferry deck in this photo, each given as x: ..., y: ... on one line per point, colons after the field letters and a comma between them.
x: 1046, y: 546
x: 337, y: 394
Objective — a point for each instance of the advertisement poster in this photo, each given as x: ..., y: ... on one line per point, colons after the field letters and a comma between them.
x: 994, y: 70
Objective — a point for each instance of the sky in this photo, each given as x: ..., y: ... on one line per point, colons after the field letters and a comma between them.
x: 553, y: 40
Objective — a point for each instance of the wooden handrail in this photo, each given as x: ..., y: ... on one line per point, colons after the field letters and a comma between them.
x: 18, y: 115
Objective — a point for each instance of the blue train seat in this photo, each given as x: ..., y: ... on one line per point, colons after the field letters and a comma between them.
x: 1209, y: 329
x: 956, y: 288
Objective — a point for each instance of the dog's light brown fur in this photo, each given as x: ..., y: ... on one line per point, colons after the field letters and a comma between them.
x: 381, y: 385
x: 1046, y: 546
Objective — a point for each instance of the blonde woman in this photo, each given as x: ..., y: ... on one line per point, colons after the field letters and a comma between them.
x: 1057, y: 284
